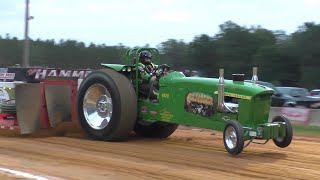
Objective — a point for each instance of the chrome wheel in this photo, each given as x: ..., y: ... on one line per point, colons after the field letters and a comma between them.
x: 279, y: 139
x: 97, y: 106
x: 231, y: 137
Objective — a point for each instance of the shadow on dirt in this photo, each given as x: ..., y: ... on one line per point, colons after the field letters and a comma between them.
x: 259, y: 157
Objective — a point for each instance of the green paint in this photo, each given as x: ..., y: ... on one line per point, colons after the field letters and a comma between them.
x: 253, y: 100
x: 116, y: 67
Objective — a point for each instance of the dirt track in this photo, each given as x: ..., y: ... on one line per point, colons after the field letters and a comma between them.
x: 187, y: 154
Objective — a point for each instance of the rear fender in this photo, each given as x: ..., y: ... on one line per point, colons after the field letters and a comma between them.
x: 119, y: 67
x: 126, y: 70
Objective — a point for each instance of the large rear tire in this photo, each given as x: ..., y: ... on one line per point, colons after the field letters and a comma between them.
x: 107, y: 105
x: 233, y: 137
x: 283, y: 142
x: 155, y: 130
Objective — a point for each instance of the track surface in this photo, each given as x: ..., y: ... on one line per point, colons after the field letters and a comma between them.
x: 187, y: 154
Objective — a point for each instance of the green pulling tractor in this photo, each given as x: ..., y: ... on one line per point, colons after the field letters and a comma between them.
x: 110, y: 106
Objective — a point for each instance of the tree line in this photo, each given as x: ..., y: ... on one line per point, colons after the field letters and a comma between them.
x: 283, y: 59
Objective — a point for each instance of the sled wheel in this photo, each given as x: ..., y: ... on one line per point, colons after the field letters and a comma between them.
x: 155, y: 130
x: 107, y: 105
x: 233, y: 137
x: 283, y: 142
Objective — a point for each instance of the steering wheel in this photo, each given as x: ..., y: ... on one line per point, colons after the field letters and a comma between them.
x: 161, y: 70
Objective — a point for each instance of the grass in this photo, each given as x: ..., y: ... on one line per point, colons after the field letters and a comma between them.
x: 306, y: 130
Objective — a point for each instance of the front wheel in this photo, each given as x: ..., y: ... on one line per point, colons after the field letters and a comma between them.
x: 233, y: 137
x: 283, y: 142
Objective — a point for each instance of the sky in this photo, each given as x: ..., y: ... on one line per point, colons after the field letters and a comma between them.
x: 141, y: 22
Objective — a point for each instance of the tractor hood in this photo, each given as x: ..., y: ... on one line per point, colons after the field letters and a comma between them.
x: 242, y: 90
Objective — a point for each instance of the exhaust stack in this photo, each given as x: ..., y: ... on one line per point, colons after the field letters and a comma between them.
x: 254, y: 74
x: 221, y: 91
x: 222, y: 107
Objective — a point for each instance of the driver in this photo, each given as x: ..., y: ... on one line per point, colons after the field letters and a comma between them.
x: 147, y: 78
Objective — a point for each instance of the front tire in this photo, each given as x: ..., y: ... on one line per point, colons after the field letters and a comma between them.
x: 107, y: 106
x: 283, y: 142
x: 233, y: 137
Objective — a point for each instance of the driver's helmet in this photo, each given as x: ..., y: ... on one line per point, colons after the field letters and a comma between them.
x: 145, y: 57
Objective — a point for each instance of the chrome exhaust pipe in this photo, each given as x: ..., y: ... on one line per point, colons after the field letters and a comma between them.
x: 222, y: 107
x: 221, y: 91
x: 254, y: 74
